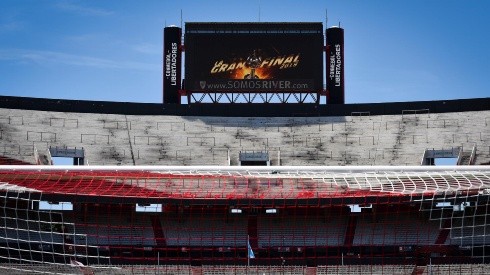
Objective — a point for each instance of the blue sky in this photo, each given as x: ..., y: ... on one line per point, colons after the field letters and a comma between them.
x: 112, y: 50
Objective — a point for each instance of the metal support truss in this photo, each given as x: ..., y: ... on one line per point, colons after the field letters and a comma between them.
x: 217, y: 97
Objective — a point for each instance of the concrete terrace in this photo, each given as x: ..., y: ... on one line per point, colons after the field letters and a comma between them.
x: 357, y: 139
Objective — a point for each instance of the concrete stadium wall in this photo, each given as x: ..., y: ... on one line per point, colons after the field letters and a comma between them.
x: 355, y: 139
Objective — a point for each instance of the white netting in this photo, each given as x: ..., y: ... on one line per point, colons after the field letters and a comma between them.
x: 404, y: 214
x: 34, y: 240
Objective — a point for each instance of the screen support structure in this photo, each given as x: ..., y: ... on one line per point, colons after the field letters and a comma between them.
x: 282, y: 97
x: 253, y: 63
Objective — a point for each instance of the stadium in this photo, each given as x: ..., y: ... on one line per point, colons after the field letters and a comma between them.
x: 285, y: 185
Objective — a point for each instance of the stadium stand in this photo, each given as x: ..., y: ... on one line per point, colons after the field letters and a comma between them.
x: 345, y: 193
x: 114, y: 139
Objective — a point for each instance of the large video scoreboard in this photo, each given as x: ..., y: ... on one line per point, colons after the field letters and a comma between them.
x: 254, y: 57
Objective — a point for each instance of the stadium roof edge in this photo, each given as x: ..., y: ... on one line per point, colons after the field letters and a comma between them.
x: 274, y: 169
x: 242, y: 110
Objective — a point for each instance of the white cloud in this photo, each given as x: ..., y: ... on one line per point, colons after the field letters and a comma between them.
x: 11, y: 26
x: 148, y: 48
x: 50, y: 57
x: 71, y: 6
x: 82, y: 37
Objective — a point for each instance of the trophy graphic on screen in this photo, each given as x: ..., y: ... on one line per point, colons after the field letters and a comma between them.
x: 253, y: 62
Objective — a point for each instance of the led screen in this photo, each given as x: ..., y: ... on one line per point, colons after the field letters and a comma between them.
x: 254, y: 62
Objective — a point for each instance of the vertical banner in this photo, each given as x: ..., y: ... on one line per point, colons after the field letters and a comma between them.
x: 172, y: 62
x: 335, y: 65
